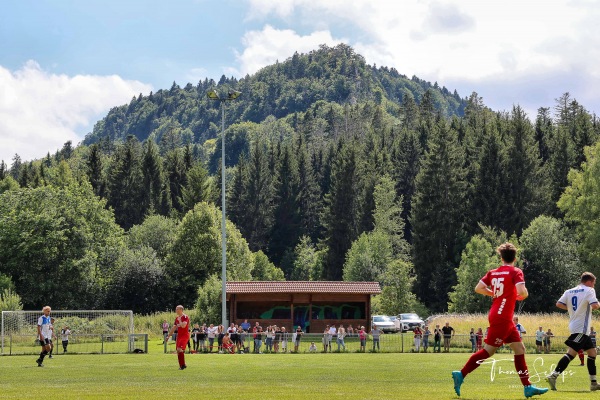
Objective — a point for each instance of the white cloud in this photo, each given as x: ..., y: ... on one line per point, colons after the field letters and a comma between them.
x: 500, y: 44
x: 39, y: 111
x: 264, y: 47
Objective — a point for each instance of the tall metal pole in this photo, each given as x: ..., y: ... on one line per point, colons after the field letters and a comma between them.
x: 223, y: 227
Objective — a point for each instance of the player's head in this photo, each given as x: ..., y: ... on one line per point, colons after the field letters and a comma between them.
x: 46, y: 310
x: 588, y: 279
x: 52, y: 320
x: 508, y: 252
x: 179, y: 309
x: 516, y: 319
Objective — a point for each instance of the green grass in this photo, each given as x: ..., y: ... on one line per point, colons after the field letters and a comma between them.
x: 276, y: 376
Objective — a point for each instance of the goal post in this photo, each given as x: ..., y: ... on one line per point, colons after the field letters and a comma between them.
x: 92, y: 331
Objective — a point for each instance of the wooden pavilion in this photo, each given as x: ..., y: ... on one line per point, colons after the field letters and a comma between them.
x: 311, y: 305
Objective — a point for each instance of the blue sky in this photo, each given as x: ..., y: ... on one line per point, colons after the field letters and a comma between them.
x: 64, y: 64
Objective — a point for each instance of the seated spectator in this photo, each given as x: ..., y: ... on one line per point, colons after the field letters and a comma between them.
x: 313, y: 347
x: 228, y: 344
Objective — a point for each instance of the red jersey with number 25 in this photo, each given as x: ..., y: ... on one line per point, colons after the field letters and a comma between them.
x: 503, y: 282
x: 182, y: 332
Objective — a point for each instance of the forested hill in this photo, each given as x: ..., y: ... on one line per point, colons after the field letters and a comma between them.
x: 337, y: 75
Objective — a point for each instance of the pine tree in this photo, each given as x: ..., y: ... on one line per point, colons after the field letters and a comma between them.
x: 15, y: 168
x: 526, y: 189
x: 286, y: 222
x: 437, y: 217
x: 406, y: 160
x: 125, y: 183
x: 309, y: 194
x: 94, y: 170
x: 175, y: 172
x: 340, y: 218
x: 197, y: 187
x: 488, y: 188
x: 258, y: 198
x: 3, y: 170
x: 153, y: 176
x: 543, y: 132
x: 236, y: 206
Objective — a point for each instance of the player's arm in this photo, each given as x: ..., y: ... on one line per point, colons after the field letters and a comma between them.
x: 561, y: 306
x: 593, y: 300
x: 522, y: 292
x: 183, y: 323
x: 562, y: 302
x: 171, y: 331
x: 483, y: 289
x: 39, y: 329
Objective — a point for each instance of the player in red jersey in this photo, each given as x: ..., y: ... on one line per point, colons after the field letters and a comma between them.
x: 182, y: 323
x: 505, y: 285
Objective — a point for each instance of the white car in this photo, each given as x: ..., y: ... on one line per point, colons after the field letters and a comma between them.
x: 384, y: 323
x: 408, y: 322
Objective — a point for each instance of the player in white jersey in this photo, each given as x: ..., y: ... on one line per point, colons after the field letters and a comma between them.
x: 579, y: 301
x: 44, y: 334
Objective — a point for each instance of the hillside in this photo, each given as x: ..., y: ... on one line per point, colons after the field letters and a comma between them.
x: 336, y: 75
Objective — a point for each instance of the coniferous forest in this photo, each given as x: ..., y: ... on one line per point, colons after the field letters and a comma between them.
x: 336, y: 170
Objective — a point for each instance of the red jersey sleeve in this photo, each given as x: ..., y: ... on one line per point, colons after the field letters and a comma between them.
x: 487, y: 279
x: 518, y: 276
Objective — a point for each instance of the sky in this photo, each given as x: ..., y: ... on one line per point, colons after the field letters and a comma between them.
x: 65, y: 63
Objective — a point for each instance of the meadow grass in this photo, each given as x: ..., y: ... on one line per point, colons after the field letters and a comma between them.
x: 275, y: 376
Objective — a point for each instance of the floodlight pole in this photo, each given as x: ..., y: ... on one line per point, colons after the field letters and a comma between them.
x: 213, y: 95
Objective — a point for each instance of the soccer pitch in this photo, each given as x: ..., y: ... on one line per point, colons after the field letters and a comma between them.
x: 276, y: 376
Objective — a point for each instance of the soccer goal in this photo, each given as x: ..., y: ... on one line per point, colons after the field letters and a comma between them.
x: 91, y: 331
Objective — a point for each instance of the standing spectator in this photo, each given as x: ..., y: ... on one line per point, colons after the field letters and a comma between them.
x: 418, y: 333
x: 196, y: 337
x: 375, y: 333
x: 426, y: 334
x: 242, y: 337
x: 520, y: 327
x: 332, y: 334
x: 539, y: 339
x: 202, y: 338
x: 448, y: 332
x: 297, y: 339
x: 326, y: 339
x: 547, y: 340
x: 284, y: 339
x: 362, y: 335
x: 479, y: 338
x: 341, y: 334
x: 221, y: 335
x: 254, y: 333
x: 258, y: 339
x: 437, y: 339
x: 276, y: 338
x: 165, y: 329
x: 211, y: 333
x: 64, y: 336
x: 472, y: 339
x: 269, y: 339
x: 245, y: 325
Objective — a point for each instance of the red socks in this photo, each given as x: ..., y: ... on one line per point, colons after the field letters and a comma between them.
x: 473, y: 363
x: 521, y: 367
x: 181, y: 358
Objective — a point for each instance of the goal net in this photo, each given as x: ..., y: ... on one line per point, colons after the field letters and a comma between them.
x: 91, y: 331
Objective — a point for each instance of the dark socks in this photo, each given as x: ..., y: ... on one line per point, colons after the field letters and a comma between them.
x: 563, y: 364
x: 591, y: 365
x: 42, y: 355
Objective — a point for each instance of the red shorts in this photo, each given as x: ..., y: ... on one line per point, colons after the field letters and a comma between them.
x: 502, y: 333
x: 182, y: 342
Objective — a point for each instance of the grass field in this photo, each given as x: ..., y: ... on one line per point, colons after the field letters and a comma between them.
x: 275, y: 376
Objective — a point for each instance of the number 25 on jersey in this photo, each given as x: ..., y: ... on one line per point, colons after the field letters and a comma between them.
x: 498, y: 286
